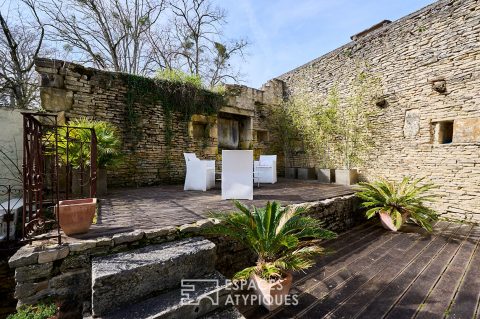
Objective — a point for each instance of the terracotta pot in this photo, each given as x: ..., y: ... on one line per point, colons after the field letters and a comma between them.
x: 387, y: 221
x: 76, y: 215
x: 272, y: 294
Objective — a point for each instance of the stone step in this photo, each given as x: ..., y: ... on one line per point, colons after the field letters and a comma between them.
x: 129, y: 277
x: 227, y: 313
x: 206, y: 296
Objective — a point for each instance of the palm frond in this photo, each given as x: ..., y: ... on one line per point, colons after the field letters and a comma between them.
x: 402, y: 199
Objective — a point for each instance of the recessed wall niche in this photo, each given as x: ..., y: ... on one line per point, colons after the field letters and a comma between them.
x: 443, y: 132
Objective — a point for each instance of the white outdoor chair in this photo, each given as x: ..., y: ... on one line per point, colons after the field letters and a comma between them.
x: 266, y: 169
x: 200, y: 174
x: 237, y: 175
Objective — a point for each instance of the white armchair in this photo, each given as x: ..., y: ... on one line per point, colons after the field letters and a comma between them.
x: 237, y: 174
x: 266, y: 169
x: 200, y: 174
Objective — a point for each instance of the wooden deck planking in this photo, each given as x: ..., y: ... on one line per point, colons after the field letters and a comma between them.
x: 466, y: 299
x: 407, y: 245
x: 336, y: 275
x: 365, y: 235
x: 378, y: 274
x: 417, y: 292
x: 368, y: 292
x: 439, y: 299
x: 131, y: 209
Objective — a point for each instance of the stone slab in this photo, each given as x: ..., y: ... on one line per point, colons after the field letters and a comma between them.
x: 127, y: 277
x: 207, y: 296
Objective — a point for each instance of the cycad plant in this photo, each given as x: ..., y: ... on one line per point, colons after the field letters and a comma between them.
x: 399, y: 200
x: 283, y: 239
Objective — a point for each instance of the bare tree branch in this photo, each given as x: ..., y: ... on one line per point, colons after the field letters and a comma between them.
x: 19, y: 46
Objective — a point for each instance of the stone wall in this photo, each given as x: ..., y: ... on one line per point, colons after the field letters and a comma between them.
x: 85, y: 92
x: 11, y: 141
x: 43, y: 270
x: 429, y: 65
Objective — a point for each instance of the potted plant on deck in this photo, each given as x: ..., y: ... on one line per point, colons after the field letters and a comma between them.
x: 395, y: 203
x: 283, y: 240
x: 108, y: 148
x: 353, y: 129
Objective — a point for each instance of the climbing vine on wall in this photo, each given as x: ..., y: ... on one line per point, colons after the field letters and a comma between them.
x: 174, y: 97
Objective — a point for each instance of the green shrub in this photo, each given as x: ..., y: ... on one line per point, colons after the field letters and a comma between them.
x: 179, y: 76
x: 40, y: 311
x: 108, y: 143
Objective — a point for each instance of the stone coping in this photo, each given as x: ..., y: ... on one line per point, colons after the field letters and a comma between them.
x: 43, y: 252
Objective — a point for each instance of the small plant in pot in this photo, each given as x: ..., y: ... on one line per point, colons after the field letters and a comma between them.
x: 108, y: 147
x: 396, y: 203
x: 283, y: 240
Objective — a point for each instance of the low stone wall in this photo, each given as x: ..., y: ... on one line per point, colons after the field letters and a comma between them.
x: 7, y: 285
x: 64, y: 271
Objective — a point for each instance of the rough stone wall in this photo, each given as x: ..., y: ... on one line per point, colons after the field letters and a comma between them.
x: 438, y: 46
x: 43, y: 270
x: 85, y: 92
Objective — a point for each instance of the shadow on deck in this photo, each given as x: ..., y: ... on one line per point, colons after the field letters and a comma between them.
x: 374, y: 273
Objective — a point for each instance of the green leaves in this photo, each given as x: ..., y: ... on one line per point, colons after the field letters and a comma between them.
x: 400, y: 200
x: 283, y: 239
x: 39, y: 311
x: 79, y: 136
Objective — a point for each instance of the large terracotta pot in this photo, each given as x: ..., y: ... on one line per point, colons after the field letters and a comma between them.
x: 272, y: 294
x: 76, y: 215
x: 387, y: 221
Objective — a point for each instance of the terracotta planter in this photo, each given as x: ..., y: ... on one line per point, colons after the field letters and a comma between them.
x: 76, y: 215
x: 272, y: 294
x: 387, y: 221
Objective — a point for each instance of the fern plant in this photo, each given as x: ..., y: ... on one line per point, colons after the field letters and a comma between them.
x: 399, y: 200
x: 283, y: 239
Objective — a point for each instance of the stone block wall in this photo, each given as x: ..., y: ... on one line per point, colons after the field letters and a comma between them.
x: 43, y: 270
x: 429, y: 65
x: 86, y: 92
x: 100, y: 95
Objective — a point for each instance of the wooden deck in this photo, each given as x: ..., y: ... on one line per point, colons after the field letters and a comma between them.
x: 373, y: 273
x: 130, y: 209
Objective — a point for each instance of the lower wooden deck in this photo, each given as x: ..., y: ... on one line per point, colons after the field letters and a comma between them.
x: 372, y: 273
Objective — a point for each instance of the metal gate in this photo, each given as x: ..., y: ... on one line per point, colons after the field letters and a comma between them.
x: 47, y: 176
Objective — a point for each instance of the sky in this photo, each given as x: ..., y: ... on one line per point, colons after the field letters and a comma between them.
x: 285, y: 34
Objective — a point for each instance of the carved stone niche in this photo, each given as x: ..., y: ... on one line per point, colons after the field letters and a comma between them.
x: 439, y: 85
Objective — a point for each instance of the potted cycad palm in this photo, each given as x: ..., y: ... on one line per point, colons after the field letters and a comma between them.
x: 283, y: 240
x: 395, y: 203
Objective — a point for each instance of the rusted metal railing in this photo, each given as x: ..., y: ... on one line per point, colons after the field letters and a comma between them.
x: 48, y: 171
